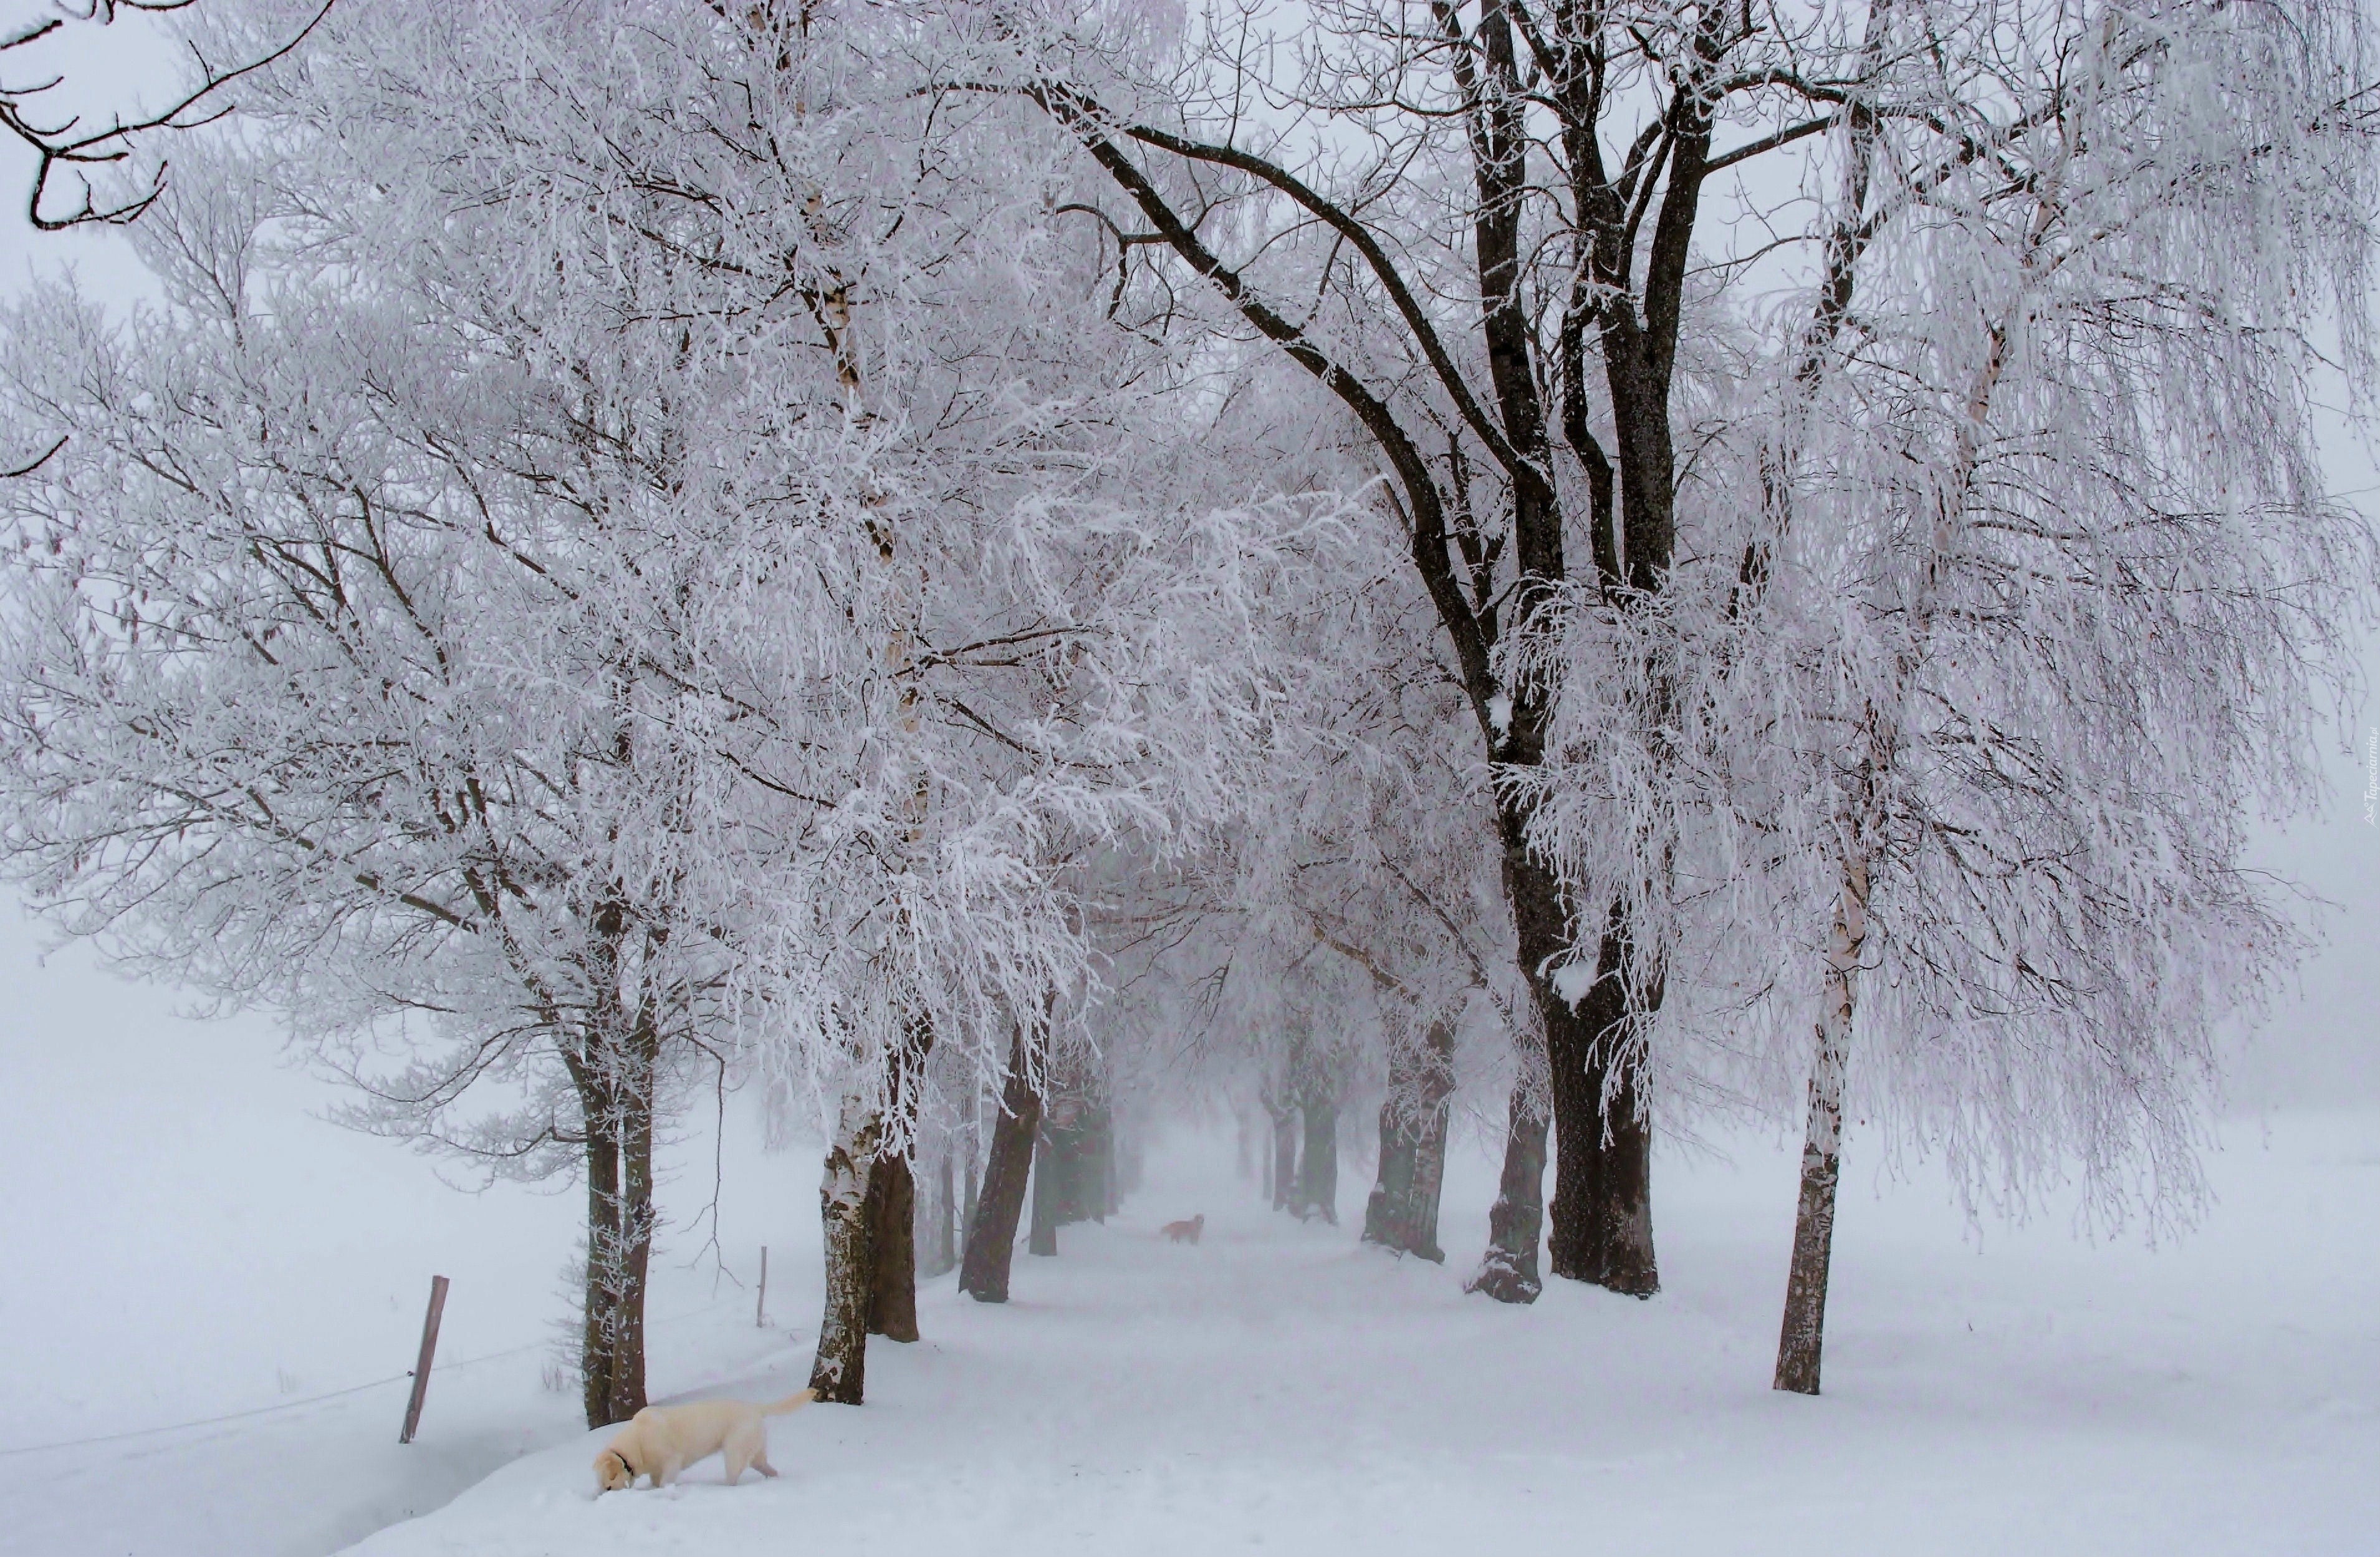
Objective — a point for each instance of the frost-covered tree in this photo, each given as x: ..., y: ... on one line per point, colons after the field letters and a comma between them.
x: 50, y: 69
x: 1484, y: 229
x: 2040, y: 595
x: 317, y: 698
x: 757, y: 363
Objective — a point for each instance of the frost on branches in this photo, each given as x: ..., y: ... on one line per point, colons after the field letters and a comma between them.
x: 1961, y: 736
x: 613, y: 559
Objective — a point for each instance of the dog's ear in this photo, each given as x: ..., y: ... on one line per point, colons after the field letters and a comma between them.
x: 611, y: 1471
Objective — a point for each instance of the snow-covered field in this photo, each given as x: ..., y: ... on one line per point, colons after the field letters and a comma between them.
x: 194, y: 1248
x: 1279, y: 1388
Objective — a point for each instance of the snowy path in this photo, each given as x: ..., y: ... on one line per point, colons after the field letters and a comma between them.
x: 1281, y: 1389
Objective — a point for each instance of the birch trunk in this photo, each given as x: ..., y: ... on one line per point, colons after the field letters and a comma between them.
x: 991, y: 1230
x: 840, y: 1372
x: 1803, y: 1338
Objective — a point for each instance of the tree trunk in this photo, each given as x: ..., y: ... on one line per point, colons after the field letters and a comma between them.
x: 1385, y: 1211
x: 1284, y: 1160
x: 614, y: 1081
x: 941, y: 1216
x: 1508, y: 1272
x: 598, y: 1346
x: 1072, y: 1123
x: 636, y: 1226
x: 891, y: 1218
x: 1602, y: 1207
x: 1044, y: 1239
x: 1803, y: 1339
x: 971, y: 1141
x: 840, y: 1372
x: 991, y: 1230
x: 1429, y: 1154
x: 1317, y: 1177
x: 1402, y: 1212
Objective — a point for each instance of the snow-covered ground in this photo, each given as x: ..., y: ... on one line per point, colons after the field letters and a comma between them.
x: 1279, y: 1388
x: 184, y: 1241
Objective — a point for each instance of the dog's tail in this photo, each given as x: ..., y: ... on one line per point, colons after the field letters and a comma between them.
x: 791, y: 1403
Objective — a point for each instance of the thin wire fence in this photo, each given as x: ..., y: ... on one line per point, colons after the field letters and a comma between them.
x: 283, y: 1406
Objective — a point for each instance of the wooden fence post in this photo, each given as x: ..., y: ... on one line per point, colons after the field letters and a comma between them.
x: 422, y: 1365
x: 761, y: 1303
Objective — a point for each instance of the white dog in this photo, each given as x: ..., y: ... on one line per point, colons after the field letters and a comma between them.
x: 664, y: 1440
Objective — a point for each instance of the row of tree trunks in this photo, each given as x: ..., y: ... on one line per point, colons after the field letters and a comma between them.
x: 999, y: 1205
x: 1402, y: 1211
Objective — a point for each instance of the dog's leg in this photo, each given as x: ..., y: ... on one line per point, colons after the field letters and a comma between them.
x: 760, y: 1463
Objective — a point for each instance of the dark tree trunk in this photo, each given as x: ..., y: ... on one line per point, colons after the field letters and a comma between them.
x: 840, y: 1372
x: 1430, y: 1153
x: 635, y: 1226
x: 1603, y: 1172
x: 1384, y: 1212
x: 892, y: 1217
x: 1402, y: 1211
x: 1317, y: 1179
x: 614, y: 1081
x: 1044, y: 1239
x: 1508, y: 1272
x: 991, y: 1230
x: 1073, y: 1125
x: 1284, y: 1160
